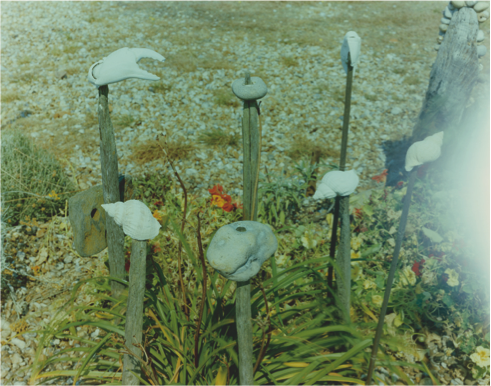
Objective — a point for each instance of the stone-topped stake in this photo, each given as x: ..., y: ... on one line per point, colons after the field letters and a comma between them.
x: 136, y: 220
x: 238, y: 250
x: 249, y: 90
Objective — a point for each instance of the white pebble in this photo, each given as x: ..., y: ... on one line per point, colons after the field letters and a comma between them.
x: 481, y: 6
x: 480, y: 35
x: 447, y: 13
x: 19, y: 343
x: 481, y: 51
x: 458, y: 4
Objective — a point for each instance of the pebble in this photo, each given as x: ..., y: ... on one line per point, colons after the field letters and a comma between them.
x: 480, y: 7
x: 458, y: 3
x: 396, y: 110
x: 19, y: 343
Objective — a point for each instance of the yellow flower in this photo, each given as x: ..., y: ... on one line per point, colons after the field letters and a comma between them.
x: 53, y: 195
x: 481, y: 356
x: 329, y: 219
x: 453, y: 277
x: 308, y: 241
x: 356, y: 271
x: 355, y: 255
x: 281, y: 259
x: 157, y: 215
x: 356, y: 242
x: 218, y: 201
x: 408, y: 276
x: 377, y: 300
x: 367, y: 284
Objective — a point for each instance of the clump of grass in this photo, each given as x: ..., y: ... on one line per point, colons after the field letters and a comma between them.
x: 370, y: 97
x: 71, y: 49
x: 10, y: 96
x: 289, y: 61
x: 125, y: 120
x: 412, y: 80
x: 225, y: 97
x: 34, y: 184
x: 303, y: 147
x: 162, y: 88
x: 399, y: 71
x: 217, y: 137
x: 150, y: 151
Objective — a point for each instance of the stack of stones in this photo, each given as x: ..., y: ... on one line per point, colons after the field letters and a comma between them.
x: 482, y: 10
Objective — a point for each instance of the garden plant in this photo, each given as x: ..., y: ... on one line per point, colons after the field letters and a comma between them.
x: 228, y: 288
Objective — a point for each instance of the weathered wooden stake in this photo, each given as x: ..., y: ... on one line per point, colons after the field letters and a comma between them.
x: 341, y: 209
x: 110, y: 187
x: 134, y: 313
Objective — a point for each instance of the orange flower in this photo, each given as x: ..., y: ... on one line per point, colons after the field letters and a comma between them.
x: 157, y: 215
x: 221, y: 199
x: 358, y: 212
x: 382, y: 177
x: 156, y: 248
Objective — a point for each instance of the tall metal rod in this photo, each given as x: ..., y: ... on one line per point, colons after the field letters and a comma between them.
x: 390, y: 280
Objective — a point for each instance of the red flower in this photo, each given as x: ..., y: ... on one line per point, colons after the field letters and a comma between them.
x: 381, y: 177
x: 358, y: 212
x: 399, y: 184
x: 158, y: 203
x: 416, y: 267
x: 216, y: 190
x: 127, y: 266
x: 222, y: 200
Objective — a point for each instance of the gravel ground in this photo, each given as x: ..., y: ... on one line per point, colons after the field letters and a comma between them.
x: 47, y: 49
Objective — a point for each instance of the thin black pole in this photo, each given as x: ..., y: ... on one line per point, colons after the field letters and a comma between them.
x: 390, y: 280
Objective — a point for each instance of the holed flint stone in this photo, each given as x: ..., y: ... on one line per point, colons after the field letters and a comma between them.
x: 88, y: 219
x: 238, y: 250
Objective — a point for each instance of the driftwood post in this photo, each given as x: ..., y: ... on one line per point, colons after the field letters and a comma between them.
x: 134, y: 314
x: 110, y: 187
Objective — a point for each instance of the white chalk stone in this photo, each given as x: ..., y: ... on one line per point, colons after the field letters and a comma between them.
x: 481, y: 6
x: 19, y: 343
x: 447, y: 13
x: 480, y: 35
x: 458, y: 4
x: 483, y: 16
x: 443, y: 27
x: 471, y: 3
x: 444, y: 20
x: 481, y: 51
x: 238, y: 250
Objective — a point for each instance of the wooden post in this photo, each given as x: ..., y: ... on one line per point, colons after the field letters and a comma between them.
x: 134, y: 313
x: 251, y: 140
x: 452, y: 79
x: 110, y: 187
x: 341, y: 210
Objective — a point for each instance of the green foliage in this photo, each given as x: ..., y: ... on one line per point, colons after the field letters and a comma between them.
x: 34, y: 184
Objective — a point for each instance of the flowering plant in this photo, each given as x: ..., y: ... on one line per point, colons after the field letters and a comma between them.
x: 222, y: 200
